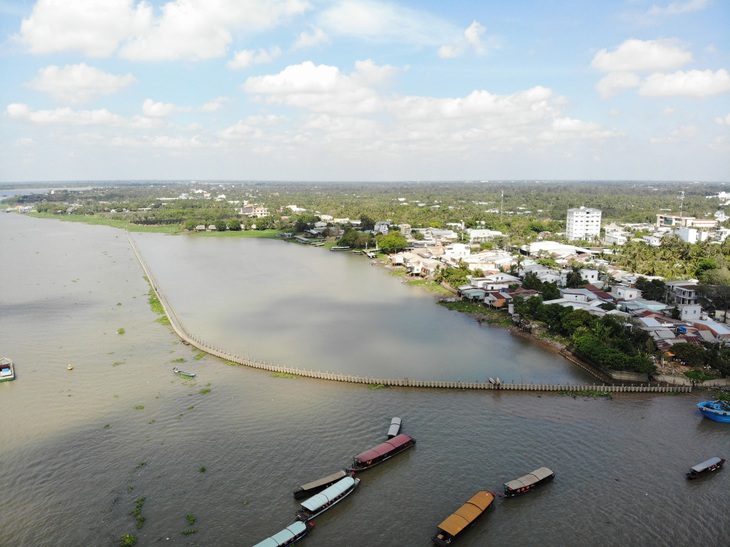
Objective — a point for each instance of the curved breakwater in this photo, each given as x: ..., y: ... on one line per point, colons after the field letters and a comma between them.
x: 187, y: 337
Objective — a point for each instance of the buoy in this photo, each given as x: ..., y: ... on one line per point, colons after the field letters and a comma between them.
x: 70, y: 366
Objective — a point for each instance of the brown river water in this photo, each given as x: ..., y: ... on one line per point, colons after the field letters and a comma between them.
x: 79, y: 448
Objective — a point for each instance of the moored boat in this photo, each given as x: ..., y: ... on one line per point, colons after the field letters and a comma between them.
x: 528, y: 482
x: 183, y: 373
x: 311, y: 488
x: 717, y: 410
x: 382, y: 452
x: 7, y: 369
x: 394, y: 428
x: 705, y: 468
x: 319, y: 503
x: 291, y: 534
x: 463, y: 517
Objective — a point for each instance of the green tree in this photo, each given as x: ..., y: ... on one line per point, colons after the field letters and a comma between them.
x: 394, y: 242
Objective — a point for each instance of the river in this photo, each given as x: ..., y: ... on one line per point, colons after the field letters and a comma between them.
x: 79, y: 448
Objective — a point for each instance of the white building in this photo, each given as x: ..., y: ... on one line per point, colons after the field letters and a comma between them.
x: 583, y: 223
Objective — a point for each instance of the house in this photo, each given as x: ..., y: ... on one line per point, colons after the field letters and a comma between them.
x: 496, y: 282
x: 682, y: 292
x: 482, y: 235
x: 455, y: 252
x: 624, y: 292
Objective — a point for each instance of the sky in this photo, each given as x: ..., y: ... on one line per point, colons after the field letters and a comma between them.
x: 364, y: 90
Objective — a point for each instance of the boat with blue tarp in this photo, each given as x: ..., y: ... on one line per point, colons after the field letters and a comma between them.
x: 183, y: 373
x: 319, y: 503
x: 291, y: 534
x: 7, y: 369
x: 717, y: 410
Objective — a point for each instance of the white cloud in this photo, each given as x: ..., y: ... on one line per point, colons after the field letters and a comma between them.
x: 248, y: 57
x: 692, y: 83
x: 93, y: 27
x: 215, y: 104
x: 679, y: 8
x: 179, y: 29
x: 157, y: 110
x: 641, y: 55
x: 78, y: 83
x: 681, y: 134
x: 723, y: 120
x: 64, y: 116
x: 386, y: 22
x: 311, y: 39
x: 322, y: 88
x: 616, y: 82
x: 471, y: 40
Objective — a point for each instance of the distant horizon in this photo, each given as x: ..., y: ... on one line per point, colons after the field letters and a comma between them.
x: 10, y: 184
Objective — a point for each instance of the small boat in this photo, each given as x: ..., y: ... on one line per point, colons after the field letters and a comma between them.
x: 382, y: 452
x: 715, y: 410
x: 465, y: 516
x: 340, y: 248
x: 291, y: 534
x: 705, y: 468
x: 528, y: 482
x: 7, y: 369
x: 311, y: 488
x: 183, y: 373
x: 319, y: 503
x: 394, y: 428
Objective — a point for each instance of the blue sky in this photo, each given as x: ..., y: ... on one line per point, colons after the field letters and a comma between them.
x: 358, y: 90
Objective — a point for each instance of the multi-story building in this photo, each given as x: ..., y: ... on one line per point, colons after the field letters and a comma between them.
x: 583, y: 223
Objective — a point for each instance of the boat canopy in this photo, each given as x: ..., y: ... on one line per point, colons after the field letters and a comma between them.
x: 316, y: 502
x: 704, y: 465
x: 466, y: 514
x: 394, y: 427
x: 287, y: 534
x: 528, y: 480
x: 383, y: 448
x: 325, y: 480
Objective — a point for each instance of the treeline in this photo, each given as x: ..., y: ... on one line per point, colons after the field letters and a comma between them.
x: 609, y: 341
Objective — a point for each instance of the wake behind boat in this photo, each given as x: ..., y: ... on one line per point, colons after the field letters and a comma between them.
x: 7, y: 369
x: 464, y: 517
x: 382, y: 452
x: 291, y: 534
x: 311, y: 488
x: 717, y: 410
x: 324, y: 500
x: 528, y: 482
x: 183, y: 373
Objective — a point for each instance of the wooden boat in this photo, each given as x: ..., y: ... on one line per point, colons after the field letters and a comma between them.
x: 394, y: 428
x: 332, y: 495
x: 464, y: 517
x: 705, y: 468
x: 7, y: 369
x: 716, y: 410
x: 291, y: 534
x: 528, y: 482
x: 311, y: 488
x: 382, y: 452
x: 183, y: 373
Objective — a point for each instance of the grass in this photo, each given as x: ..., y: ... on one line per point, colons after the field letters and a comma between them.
x: 178, y: 360
x: 284, y: 375
x: 120, y: 331
x: 190, y: 518
x: 138, y: 407
x: 204, y: 391
x: 202, y: 469
x: 189, y: 531
x: 376, y: 386
x: 199, y: 356
x: 128, y: 540
x: 137, y: 511
x: 595, y: 393
x: 698, y: 376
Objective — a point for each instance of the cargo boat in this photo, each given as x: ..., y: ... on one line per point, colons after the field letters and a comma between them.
x: 382, y: 452
x: 464, y: 517
x: 291, y: 534
x: 311, y: 488
x: 705, y: 468
x: 319, y: 503
x: 528, y: 482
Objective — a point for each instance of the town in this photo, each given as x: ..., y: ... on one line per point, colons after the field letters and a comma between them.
x: 635, y: 301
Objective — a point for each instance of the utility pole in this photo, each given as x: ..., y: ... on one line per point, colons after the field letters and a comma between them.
x: 501, y: 206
